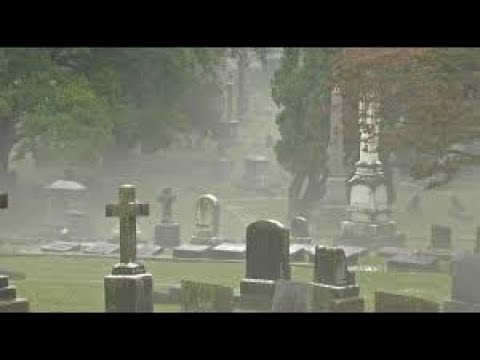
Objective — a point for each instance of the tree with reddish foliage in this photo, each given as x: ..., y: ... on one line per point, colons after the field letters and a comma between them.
x: 428, y: 99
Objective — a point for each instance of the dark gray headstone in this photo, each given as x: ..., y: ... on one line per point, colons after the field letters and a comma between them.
x: 465, y: 275
x: 291, y: 296
x: 416, y: 261
x: 61, y: 246
x: 267, y: 251
x: 331, y: 267
x: 441, y: 237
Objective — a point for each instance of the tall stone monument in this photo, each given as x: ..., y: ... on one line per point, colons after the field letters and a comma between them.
x: 129, y: 288
x: 369, y: 221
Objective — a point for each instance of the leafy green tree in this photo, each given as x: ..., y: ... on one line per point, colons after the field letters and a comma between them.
x: 302, y: 89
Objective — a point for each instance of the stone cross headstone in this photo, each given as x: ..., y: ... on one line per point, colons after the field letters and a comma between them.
x: 167, y: 233
x: 127, y: 211
x: 267, y: 260
x: 299, y: 231
x: 207, y: 220
x: 129, y: 288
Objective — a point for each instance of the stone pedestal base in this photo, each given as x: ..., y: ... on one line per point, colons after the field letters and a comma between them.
x: 257, y: 294
x: 460, y: 306
x: 370, y: 235
x: 8, y: 298
x: 329, y: 298
x: 167, y: 235
x: 129, y: 293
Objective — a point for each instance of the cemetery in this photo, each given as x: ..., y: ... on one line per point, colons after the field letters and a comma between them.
x: 239, y: 213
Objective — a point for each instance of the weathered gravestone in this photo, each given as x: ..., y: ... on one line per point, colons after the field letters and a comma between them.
x: 207, y: 220
x: 191, y: 251
x: 333, y: 286
x: 62, y: 197
x: 167, y: 233
x: 78, y: 225
x: 291, y: 296
x: 413, y: 262
x: 8, y: 298
x: 267, y: 260
x: 61, y: 247
x: 441, y: 237
x: 256, y: 168
x: 301, y: 252
x: 390, y: 251
x: 8, y: 293
x: 129, y: 288
x: 203, y: 297
x: 388, y: 302
x: 465, y: 295
x: 228, y: 251
x: 299, y: 231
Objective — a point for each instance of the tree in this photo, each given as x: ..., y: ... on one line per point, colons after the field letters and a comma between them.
x: 302, y: 88
x: 428, y: 105
x: 72, y: 103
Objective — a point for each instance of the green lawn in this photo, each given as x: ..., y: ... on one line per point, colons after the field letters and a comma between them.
x: 76, y: 284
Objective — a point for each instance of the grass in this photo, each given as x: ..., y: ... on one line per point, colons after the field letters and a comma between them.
x: 56, y: 284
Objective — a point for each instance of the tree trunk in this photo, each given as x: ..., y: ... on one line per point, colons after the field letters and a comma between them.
x: 7, y: 136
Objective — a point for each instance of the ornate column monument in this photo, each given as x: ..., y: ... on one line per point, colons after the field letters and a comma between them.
x: 368, y: 222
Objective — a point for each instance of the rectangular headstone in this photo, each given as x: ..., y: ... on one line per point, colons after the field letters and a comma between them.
x: 102, y: 249
x: 191, y: 251
x: 62, y: 246
x: 291, y: 296
x: 129, y: 293
x: 441, y: 237
x: 388, y: 302
x: 203, y: 297
x: 268, y: 246
x: 465, y: 277
x: 413, y: 262
x: 228, y: 251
